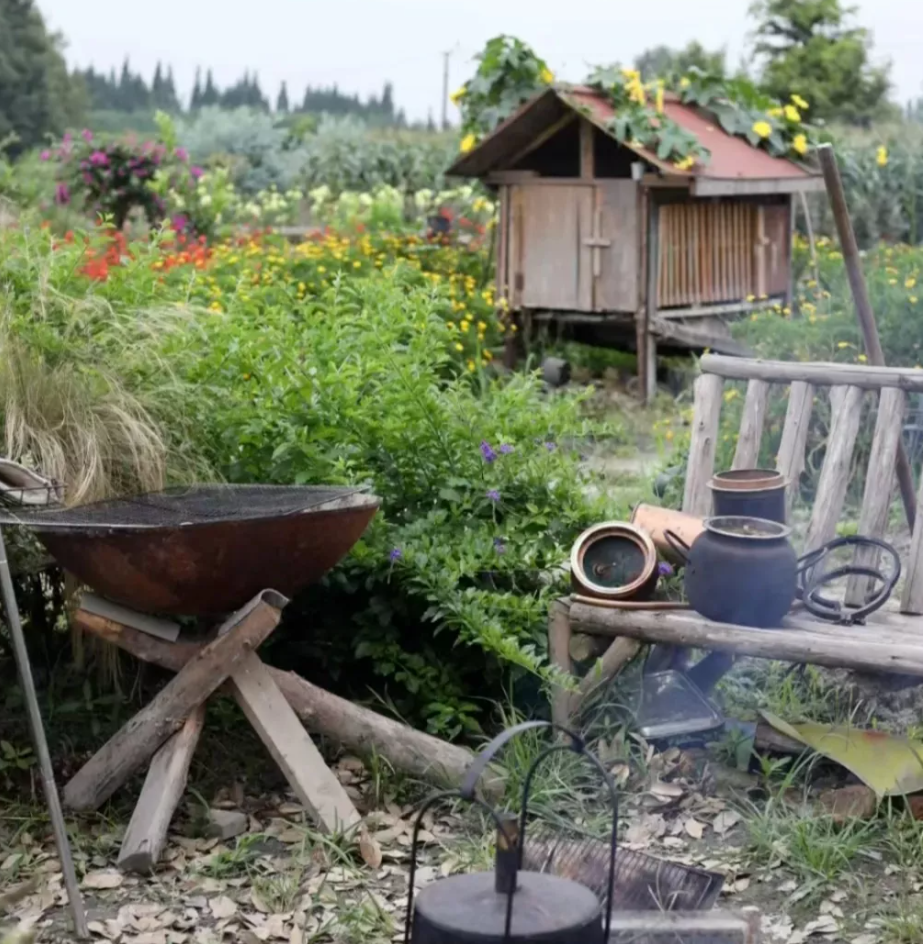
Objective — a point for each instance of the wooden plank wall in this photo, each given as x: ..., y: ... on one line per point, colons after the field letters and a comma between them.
x: 707, y: 253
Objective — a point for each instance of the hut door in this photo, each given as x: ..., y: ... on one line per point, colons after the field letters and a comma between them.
x: 550, y: 261
x: 614, y: 244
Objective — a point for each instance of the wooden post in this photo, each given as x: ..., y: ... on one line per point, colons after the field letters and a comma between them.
x: 559, y: 653
x: 647, y: 351
x: 163, y: 788
x: 853, y: 263
x: 587, y: 157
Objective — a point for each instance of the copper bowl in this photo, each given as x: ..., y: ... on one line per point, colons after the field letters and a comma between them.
x: 614, y: 561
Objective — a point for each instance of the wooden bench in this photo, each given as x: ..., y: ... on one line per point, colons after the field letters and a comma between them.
x: 892, y: 639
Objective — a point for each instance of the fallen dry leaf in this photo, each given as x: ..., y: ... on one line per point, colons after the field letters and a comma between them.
x: 825, y: 925
x: 297, y: 935
x: 666, y: 791
x: 725, y: 821
x: 105, y: 878
x: 369, y: 849
x: 222, y: 907
x: 694, y: 828
x: 853, y: 802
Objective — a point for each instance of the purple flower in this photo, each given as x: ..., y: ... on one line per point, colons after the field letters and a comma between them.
x: 45, y: 156
x: 99, y: 159
x: 395, y: 555
x: 182, y: 154
x: 550, y: 446
x: 506, y: 448
x: 62, y: 195
x: 493, y: 494
x: 87, y: 135
x: 488, y: 453
x: 665, y: 569
x: 196, y: 171
x: 68, y: 137
x: 499, y: 546
x: 179, y: 223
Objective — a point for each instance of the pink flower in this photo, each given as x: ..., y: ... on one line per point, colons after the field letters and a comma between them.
x: 196, y: 171
x: 87, y: 135
x: 62, y: 195
x: 99, y: 159
x: 45, y: 155
x: 182, y: 154
x: 68, y: 137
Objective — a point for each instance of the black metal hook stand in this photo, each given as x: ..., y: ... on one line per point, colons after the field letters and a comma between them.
x: 507, y: 865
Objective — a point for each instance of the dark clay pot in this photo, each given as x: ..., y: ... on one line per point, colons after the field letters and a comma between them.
x: 749, y: 493
x: 740, y: 570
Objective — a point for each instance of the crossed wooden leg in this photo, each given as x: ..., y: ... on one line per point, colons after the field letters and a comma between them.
x: 168, y: 730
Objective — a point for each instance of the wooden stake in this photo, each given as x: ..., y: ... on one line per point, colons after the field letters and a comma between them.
x: 280, y: 730
x: 853, y: 263
x: 163, y: 789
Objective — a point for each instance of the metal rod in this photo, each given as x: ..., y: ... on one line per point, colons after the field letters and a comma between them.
x: 864, y: 311
x: 41, y: 745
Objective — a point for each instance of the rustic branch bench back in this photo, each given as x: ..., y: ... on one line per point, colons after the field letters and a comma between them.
x: 890, y: 641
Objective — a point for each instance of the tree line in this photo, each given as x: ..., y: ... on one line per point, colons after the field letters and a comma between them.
x: 129, y: 92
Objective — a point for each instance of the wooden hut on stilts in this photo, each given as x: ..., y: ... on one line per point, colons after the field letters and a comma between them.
x: 615, y: 247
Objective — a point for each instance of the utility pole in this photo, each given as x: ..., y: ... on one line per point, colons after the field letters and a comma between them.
x: 445, y: 89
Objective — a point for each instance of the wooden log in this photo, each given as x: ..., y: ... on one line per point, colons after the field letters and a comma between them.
x: 701, y: 464
x: 747, y: 453
x: 879, y: 481
x: 559, y: 636
x: 583, y: 647
x: 834, y: 476
x: 790, y: 461
x: 909, y: 379
x: 163, y: 788
x: 351, y: 726
x: 912, y: 594
x: 618, y: 654
x: 280, y: 730
x: 139, y: 739
x: 788, y: 645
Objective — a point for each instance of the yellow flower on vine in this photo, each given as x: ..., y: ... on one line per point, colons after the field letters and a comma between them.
x: 792, y: 114
x: 684, y: 82
x: 659, y: 100
x: 762, y: 129
x: 800, y: 144
x: 458, y: 95
x: 685, y: 163
x: 775, y: 112
x: 467, y: 143
x: 547, y: 76
x: 800, y: 102
x: 630, y: 73
x: 881, y: 157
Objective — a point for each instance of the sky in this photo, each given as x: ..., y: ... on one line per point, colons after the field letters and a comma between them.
x: 358, y: 44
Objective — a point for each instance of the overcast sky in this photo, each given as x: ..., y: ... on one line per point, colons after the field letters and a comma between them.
x: 360, y: 43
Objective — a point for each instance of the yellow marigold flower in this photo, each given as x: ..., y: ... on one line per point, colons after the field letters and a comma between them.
x: 913, y: 299
x: 800, y: 143
x: 685, y: 163
x: 800, y: 102
x: 659, y: 98
x: 464, y: 324
x: 792, y: 113
x: 842, y: 344
x: 457, y: 95
x: 762, y: 129
x: 881, y: 155
x: 467, y: 143
x: 301, y: 287
x: 357, y: 264
x: 684, y: 82
x: 775, y: 112
x: 910, y: 282
x: 547, y: 76
x: 630, y: 73
x: 488, y: 356
x: 471, y: 366
x: 482, y: 326
x: 861, y: 358
x: 321, y: 269
x: 459, y: 347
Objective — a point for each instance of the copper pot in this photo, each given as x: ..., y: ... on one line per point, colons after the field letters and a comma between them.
x: 614, y: 561
x: 655, y: 521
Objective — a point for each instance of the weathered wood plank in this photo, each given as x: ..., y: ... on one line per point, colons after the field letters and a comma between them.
x: 587, y: 157
x: 163, y: 789
x: 559, y: 637
x: 908, y: 379
x: 298, y: 758
x: 683, y: 628
x: 747, y: 453
x: 139, y: 739
x: 617, y: 655
x: 834, y: 476
x: 701, y: 464
x: 912, y: 595
x: 790, y: 460
x: 879, y: 486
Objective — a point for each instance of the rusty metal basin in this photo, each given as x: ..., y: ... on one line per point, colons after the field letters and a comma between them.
x: 202, y: 566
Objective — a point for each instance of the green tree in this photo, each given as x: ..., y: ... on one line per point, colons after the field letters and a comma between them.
x: 812, y: 48
x: 196, y: 101
x: 282, y: 106
x: 665, y: 62
x: 37, y: 95
x: 210, y: 94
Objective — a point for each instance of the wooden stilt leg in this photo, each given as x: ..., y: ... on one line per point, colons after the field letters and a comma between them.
x: 559, y: 653
x: 162, y: 791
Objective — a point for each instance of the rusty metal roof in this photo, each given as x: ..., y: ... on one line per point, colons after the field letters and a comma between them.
x: 732, y: 158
